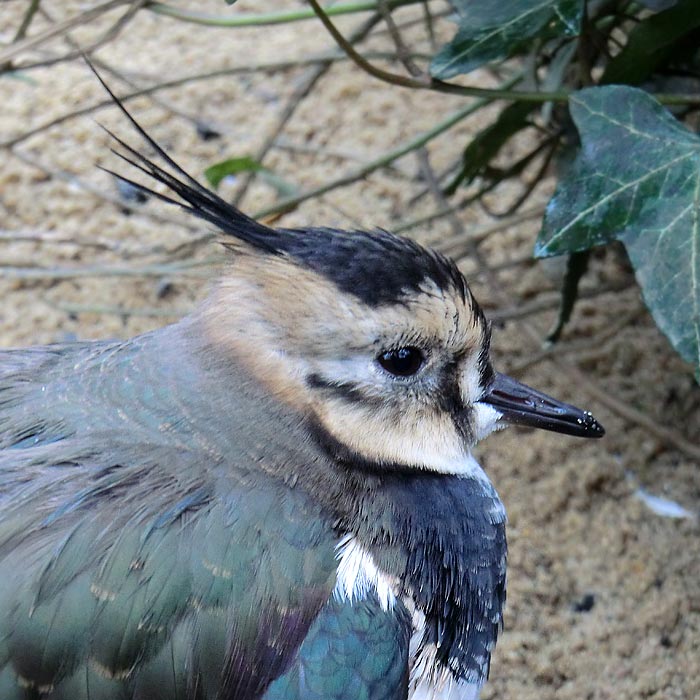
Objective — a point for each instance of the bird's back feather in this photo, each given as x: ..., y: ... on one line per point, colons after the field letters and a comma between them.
x: 144, y: 553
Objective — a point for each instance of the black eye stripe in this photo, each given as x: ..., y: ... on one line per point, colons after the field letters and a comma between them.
x: 401, y: 362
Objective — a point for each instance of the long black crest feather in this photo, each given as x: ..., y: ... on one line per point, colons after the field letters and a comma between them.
x: 194, y: 198
x: 375, y: 266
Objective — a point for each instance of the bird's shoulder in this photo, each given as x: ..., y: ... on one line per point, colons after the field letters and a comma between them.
x: 193, y: 595
x: 143, y: 553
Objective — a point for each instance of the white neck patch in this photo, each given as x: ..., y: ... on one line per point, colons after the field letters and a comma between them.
x: 358, y: 575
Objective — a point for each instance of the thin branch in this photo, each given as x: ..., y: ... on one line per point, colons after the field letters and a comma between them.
x: 427, y: 82
x: 164, y: 104
x: 72, y: 179
x: 529, y: 186
x: 597, y: 342
x: 455, y: 247
x: 79, y: 51
x: 664, y: 434
x: 455, y: 223
x: 284, y: 143
x: 448, y: 170
x: 381, y: 161
x: 26, y: 20
x: 402, y: 50
x: 265, y: 67
x: 428, y: 18
x: 304, y: 86
x: 436, y: 191
x: 58, y: 29
x: 421, y: 83
x: 548, y: 301
x: 110, y: 34
x: 520, y: 261
x: 259, y: 20
x: 145, y: 312
x: 55, y: 238
x: 414, y: 21
x: 66, y: 273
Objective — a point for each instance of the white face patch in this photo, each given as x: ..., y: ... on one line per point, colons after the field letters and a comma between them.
x: 357, y: 575
x: 470, y: 379
x: 486, y: 420
x: 424, y: 442
x: 457, y: 461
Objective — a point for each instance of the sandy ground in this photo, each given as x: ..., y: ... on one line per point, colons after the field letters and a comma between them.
x: 604, y: 594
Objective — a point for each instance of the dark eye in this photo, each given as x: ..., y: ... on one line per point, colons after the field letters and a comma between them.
x: 402, y: 362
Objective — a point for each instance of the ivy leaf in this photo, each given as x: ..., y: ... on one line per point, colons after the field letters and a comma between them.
x: 491, y: 31
x: 486, y: 145
x: 576, y: 266
x: 656, y: 5
x: 653, y: 41
x: 233, y: 166
x: 635, y: 179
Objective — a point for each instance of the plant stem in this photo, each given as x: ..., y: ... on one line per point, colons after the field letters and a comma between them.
x: 27, y: 20
x: 257, y: 20
x: 427, y: 82
x: 271, y: 67
x: 58, y: 29
x: 304, y: 85
x: 381, y: 161
x: 155, y: 270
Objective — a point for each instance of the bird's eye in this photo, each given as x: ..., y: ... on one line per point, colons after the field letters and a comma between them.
x: 402, y: 362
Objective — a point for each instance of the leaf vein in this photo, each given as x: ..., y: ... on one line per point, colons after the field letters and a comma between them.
x: 615, y: 193
x: 501, y: 29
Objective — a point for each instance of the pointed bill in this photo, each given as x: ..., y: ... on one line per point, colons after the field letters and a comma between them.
x: 520, y: 404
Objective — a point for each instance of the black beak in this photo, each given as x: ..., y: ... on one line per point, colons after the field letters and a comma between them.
x: 521, y: 405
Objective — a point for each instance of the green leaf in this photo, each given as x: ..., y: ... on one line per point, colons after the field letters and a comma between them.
x: 654, y: 41
x: 491, y: 31
x: 217, y: 172
x: 485, y: 146
x: 233, y: 166
x: 656, y: 5
x: 635, y: 179
x: 576, y: 266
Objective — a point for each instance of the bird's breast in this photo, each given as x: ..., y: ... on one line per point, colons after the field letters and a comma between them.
x: 358, y: 576
x: 432, y: 547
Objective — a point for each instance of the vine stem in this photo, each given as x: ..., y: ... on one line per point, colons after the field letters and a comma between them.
x: 381, y: 161
x: 58, y: 29
x: 427, y: 82
x: 262, y: 19
x: 28, y: 17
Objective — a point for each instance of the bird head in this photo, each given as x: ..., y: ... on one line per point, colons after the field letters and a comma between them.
x: 377, y: 341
